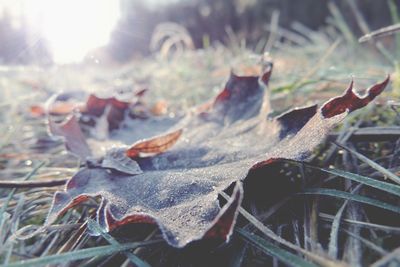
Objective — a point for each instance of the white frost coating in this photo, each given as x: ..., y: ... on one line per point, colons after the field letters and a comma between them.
x: 178, y: 189
x: 297, y: 147
x: 115, y: 158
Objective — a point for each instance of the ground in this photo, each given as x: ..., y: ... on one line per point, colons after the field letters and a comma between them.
x: 329, y: 216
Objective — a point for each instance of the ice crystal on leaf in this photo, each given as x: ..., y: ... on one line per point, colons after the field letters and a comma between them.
x: 169, y: 171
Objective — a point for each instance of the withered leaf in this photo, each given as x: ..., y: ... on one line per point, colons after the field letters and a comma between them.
x: 153, y: 146
x: 178, y: 188
x: 74, y: 138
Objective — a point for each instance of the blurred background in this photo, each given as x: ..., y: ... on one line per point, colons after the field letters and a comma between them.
x: 113, y: 32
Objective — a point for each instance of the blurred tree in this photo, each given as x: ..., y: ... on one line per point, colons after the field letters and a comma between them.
x: 247, y: 18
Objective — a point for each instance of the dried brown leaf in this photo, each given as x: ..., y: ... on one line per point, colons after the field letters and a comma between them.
x: 153, y: 146
x: 177, y: 186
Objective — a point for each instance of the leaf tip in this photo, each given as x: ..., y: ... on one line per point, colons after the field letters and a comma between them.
x: 351, y: 101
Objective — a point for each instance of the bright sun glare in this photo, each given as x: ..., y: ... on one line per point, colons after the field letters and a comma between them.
x: 73, y: 27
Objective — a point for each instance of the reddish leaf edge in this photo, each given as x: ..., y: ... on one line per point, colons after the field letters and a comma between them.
x: 221, y: 228
x: 94, y: 105
x: 153, y: 146
x: 344, y: 104
x: 75, y: 141
x: 351, y: 100
x: 264, y: 77
x: 348, y: 102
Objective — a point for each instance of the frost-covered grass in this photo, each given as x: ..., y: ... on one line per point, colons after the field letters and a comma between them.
x: 345, y: 209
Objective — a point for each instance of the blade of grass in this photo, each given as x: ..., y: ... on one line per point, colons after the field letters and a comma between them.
x: 341, y: 24
x: 371, y: 134
x: 238, y: 255
x: 80, y: 254
x: 306, y: 212
x: 321, y: 60
x: 51, y: 244
x: 380, y: 32
x: 305, y: 80
x: 346, y: 195
x: 333, y: 238
x: 287, y: 88
x: 391, y: 259
x: 384, y: 186
x: 94, y: 226
x: 367, y: 242
x: 394, y: 14
x: 273, y: 33
x: 287, y: 34
x: 12, y: 192
x: 372, y: 164
x: 31, y: 184
x: 73, y: 239
x: 14, y: 222
x: 323, y: 261
x: 385, y: 228
x: 273, y: 250
x: 365, y: 29
x: 314, y: 225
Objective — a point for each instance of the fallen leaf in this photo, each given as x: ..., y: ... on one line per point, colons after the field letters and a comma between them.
x: 74, y: 139
x: 153, y: 146
x: 61, y: 108
x: 159, y: 108
x: 173, y: 177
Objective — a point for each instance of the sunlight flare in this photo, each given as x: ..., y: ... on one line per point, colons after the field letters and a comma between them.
x: 74, y: 27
